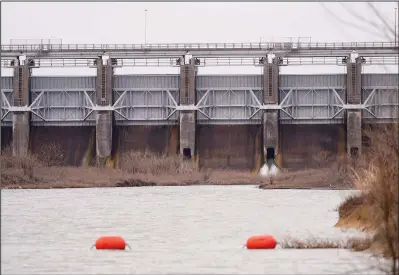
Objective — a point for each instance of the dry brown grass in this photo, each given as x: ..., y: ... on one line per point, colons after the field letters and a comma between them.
x: 17, y: 169
x: 312, y: 244
x: 354, y: 212
x: 333, y: 171
x: 154, y: 164
x: 159, y: 169
x: 51, y: 155
x: 143, y: 169
x: 44, y: 170
x: 328, y: 178
x: 377, y: 205
x: 353, y: 244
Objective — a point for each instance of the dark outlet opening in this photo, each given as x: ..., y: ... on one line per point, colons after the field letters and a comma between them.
x: 187, y: 153
x: 270, y: 154
x: 354, y: 151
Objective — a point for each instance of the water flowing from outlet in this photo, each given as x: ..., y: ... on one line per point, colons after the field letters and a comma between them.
x: 269, y: 169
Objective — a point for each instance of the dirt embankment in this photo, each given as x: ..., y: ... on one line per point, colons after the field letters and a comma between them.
x: 359, y: 212
x: 135, y: 169
x: 333, y: 172
x: 355, y: 212
x: 323, y: 178
x: 45, y: 170
x: 375, y: 209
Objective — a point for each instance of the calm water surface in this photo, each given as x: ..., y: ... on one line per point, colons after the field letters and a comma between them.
x: 187, y: 230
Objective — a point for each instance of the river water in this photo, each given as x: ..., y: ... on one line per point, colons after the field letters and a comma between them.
x: 186, y: 230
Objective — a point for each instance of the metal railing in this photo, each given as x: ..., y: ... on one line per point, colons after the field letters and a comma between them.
x: 209, y: 62
x: 199, y: 46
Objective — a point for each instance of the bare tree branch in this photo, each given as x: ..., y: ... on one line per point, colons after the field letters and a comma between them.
x: 378, y: 14
x: 355, y: 26
x: 364, y: 19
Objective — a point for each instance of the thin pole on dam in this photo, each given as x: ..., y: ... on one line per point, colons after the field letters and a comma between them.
x: 396, y: 35
x: 145, y: 27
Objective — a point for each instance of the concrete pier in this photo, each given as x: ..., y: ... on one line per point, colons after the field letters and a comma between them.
x: 104, y: 116
x: 354, y: 133
x: 353, y: 96
x: 270, y: 121
x: 187, y: 118
x: 21, y: 117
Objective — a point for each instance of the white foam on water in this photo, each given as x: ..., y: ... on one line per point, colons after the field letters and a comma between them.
x: 269, y: 170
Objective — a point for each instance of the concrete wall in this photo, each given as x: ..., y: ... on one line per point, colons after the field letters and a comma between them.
x: 6, y: 137
x: 77, y: 143
x: 300, y: 144
x: 159, y: 139
x: 21, y: 129
x: 223, y: 146
x: 219, y: 146
x: 21, y: 119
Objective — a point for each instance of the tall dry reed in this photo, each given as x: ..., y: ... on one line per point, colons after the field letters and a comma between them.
x: 136, y: 162
x: 379, y: 185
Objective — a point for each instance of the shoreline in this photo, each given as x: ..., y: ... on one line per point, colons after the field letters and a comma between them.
x: 140, y: 170
x: 92, y: 177
x: 49, y: 186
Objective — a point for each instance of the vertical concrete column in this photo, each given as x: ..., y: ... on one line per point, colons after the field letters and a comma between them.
x: 353, y: 96
x: 104, y: 116
x: 270, y: 121
x: 187, y: 119
x: 20, y: 118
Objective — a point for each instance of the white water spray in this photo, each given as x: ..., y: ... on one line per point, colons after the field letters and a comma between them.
x: 269, y: 169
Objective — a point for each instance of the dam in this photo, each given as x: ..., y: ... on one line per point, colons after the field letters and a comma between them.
x: 218, y: 121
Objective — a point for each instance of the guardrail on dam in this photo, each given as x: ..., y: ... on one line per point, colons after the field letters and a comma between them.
x: 222, y: 120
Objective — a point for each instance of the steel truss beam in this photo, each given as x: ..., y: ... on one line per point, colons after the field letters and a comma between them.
x: 228, y: 104
x: 382, y: 103
x: 215, y: 106
x: 53, y: 106
x: 156, y: 105
x: 75, y: 62
x: 244, y: 104
x: 6, y: 98
x: 236, y: 47
x: 299, y: 104
x: 227, y: 54
x: 311, y: 103
x: 203, y: 61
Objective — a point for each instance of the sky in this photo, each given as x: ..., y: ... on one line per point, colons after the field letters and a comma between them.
x: 118, y: 23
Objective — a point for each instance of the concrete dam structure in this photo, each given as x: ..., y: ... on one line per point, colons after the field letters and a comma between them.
x: 218, y: 121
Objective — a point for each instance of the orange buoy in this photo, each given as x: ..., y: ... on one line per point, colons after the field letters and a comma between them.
x: 111, y: 242
x: 261, y: 242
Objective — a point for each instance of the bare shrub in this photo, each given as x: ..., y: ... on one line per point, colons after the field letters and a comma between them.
x: 357, y: 244
x: 207, y: 173
x: 232, y: 177
x: 6, y: 151
x: 322, y: 158
x: 154, y: 164
x: 350, y: 203
x: 27, y: 165
x: 51, y: 154
x: 17, y: 170
x: 177, y: 171
x: 378, y: 181
x: 311, y: 244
